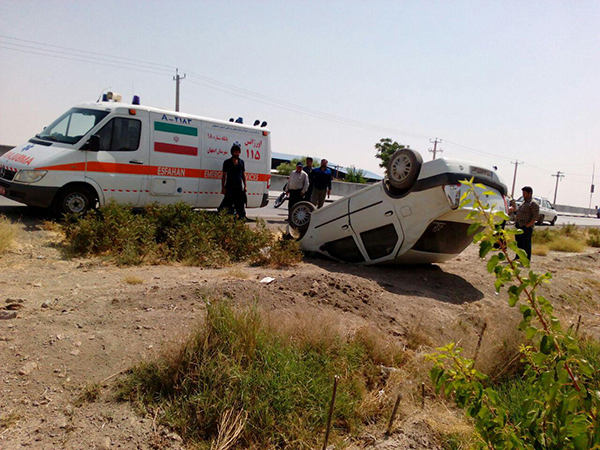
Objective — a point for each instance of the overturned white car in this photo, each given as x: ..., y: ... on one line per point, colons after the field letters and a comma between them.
x: 411, y: 217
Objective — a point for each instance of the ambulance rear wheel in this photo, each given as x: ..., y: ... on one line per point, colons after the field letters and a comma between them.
x: 404, y: 168
x: 74, y: 200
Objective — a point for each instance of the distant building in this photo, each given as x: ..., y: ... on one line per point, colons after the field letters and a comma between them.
x: 338, y: 170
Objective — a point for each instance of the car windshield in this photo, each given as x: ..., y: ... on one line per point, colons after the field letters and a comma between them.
x: 72, y: 125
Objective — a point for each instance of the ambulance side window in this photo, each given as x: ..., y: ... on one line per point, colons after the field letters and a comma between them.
x: 120, y: 135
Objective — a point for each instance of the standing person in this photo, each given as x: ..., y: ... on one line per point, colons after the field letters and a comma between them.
x: 309, y: 169
x: 297, y: 185
x: 321, y: 180
x: 233, y: 183
x: 526, y: 217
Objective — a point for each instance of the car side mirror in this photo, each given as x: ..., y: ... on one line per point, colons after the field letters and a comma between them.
x: 93, y: 144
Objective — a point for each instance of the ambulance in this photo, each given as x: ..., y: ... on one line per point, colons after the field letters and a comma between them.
x: 134, y: 155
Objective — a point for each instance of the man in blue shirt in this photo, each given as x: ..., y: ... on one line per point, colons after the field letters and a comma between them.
x: 321, y: 184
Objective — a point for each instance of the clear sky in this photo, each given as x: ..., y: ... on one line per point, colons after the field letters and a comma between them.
x: 495, y: 80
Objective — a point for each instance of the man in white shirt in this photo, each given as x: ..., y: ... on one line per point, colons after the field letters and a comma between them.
x: 297, y: 185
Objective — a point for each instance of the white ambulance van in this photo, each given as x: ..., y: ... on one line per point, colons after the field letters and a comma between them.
x: 134, y: 155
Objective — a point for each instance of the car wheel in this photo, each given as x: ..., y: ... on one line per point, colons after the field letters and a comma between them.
x: 554, y: 220
x: 540, y: 220
x: 300, y: 213
x: 404, y: 168
x: 74, y: 200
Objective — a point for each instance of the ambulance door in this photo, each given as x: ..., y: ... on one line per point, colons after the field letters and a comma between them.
x: 120, y: 166
x: 174, y: 159
x: 217, y: 140
x: 375, y: 224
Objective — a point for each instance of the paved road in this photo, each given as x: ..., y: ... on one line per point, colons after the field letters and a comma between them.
x: 269, y: 213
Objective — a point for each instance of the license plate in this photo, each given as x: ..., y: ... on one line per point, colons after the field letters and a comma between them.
x: 2, y: 191
x: 480, y: 171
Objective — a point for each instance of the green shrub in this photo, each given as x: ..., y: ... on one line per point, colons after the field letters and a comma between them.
x: 173, y: 233
x: 282, y: 384
x: 354, y: 175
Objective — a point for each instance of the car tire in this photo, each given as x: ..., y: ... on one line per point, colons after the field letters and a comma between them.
x: 403, y: 169
x: 554, y: 220
x: 74, y: 200
x: 299, y: 216
x: 540, y: 220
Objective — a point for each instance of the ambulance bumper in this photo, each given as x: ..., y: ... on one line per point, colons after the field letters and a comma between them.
x: 31, y: 195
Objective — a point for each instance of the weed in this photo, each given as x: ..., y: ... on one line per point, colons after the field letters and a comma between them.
x: 7, y: 420
x: 90, y: 393
x: 567, y: 244
x: 540, y: 249
x: 593, y: 239
x: 280, y: 254
x: 8, y: 232
x: 237, y: 273
x: 281, y: 385
x: 132, y: 279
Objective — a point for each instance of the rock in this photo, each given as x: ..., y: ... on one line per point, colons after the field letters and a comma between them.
x: 37, y: 284
x: 28, y: 368
x: 61, y: 422
x: 46, y: 304
x: 174, y: 437
x: 7, y: 315
x: 14, y: 306
x: 105, y: 443
x: 75, y: 353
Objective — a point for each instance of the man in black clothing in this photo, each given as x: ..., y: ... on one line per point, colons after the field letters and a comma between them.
x: 233, y: 183
x: 308, y: 169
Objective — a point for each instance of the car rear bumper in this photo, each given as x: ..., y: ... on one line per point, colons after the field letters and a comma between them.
x: 31, y: 195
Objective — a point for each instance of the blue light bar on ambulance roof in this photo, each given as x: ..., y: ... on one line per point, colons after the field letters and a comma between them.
x: 136, y: 100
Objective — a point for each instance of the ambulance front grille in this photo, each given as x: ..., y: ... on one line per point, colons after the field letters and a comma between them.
x: 6, y: 174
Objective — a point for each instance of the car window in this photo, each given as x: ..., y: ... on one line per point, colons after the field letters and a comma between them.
x: 380, y: 242
x: 344, y: 249
x: 120, y: 135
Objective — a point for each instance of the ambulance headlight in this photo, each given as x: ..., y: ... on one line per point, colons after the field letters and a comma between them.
x: 30, y: 176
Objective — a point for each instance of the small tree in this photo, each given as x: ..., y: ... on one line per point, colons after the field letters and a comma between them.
x: 563, y: 404
x: 289, y: 167
x: 354, y: 175
x: 385, y: 149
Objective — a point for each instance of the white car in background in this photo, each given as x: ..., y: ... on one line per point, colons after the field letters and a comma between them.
x: 411, y: 217
x: 547, y: 211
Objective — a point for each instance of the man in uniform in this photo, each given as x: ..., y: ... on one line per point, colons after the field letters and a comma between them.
x: 526, y: 217
x: 233, y: 183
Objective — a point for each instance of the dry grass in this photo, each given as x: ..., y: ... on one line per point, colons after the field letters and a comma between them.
x: 132, y: 279
x: 567, y: 244
x: 8, y: 233
x: 540, y: 249
x: 236, y: 272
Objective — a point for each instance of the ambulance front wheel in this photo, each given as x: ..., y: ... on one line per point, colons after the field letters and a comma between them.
x: 74, y: 200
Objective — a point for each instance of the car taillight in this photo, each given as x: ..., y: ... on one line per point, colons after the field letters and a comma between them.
x: 452, y: 192
x: 505, y: 204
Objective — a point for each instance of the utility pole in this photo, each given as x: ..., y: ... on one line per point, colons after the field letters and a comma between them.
x: 592, y: 187
x: 177, y: 80
x: 435, y: 149
x: 516, y: 163
x: 558, y: 176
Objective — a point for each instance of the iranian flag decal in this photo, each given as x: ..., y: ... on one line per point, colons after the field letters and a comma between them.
x: 176, y: 139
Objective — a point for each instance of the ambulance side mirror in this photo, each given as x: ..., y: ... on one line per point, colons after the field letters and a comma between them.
x: 93, y: 144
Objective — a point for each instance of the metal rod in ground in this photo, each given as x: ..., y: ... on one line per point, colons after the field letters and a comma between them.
x: 422, y: 395
x: 578, y: 323
x: 393, y: 416
x: 479, y: 341
x: 335, y: 382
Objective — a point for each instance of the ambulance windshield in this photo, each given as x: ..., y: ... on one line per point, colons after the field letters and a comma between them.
x: 72, y: 125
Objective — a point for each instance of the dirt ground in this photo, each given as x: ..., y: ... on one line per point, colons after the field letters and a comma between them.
x: 80, y: 322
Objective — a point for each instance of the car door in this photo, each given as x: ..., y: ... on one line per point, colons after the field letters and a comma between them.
x: 332, y: 233
x: 120, y: 166
x: 375, y: 224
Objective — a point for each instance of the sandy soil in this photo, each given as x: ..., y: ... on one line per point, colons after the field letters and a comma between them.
x: 80, y: 322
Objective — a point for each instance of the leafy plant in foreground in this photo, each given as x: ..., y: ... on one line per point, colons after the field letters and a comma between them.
x: 562, y: 399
